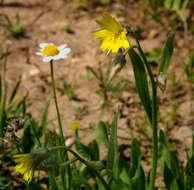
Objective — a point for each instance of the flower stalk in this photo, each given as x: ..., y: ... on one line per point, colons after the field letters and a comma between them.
x: 56, y: 103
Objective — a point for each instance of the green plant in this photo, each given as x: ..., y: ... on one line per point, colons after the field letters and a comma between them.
x: 47, y: 152
x: 176, y: 176
x: 68, y: 90
x: 67, y: 28
x: 12, y: 106
x: 16, y: 29
x: 79, y: 5
x: 110, y: 84
x: 87, y: 76
x: 153, y: 57
x: 188, y: 67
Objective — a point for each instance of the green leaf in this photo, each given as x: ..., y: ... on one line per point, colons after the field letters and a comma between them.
x: 163, y: 139
x: 3, y: 118
x: 44, y: 122
x: 101, y: 133
x: 139, y: 180
x: 173, y: 176
x: 0, y: 89
x: 113, y: 153
x: 14, y: 105
x: 106, y: 1
x: 168, y: 3
x: 176, y: 6
x: 144, y: 5
x: 52, y: 181
x: 135, y: 157
x: 141, y: 81
x: 95, y: 148
x: 135, y: 152
x: 167, y: 54
x: 28, y: 139
x: 184, y: 4
x: 170, y: 181
x: 124, y: 171
x: 83, y: 180
x: 86, y: 151
x: 15, y: 89
x: 189, y: 173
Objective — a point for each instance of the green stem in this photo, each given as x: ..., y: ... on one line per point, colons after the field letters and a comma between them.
x: 154, y: 121
x: 92, y: 170
x: 56, y: 104
x: 65, y: 175
x: 154, y: 137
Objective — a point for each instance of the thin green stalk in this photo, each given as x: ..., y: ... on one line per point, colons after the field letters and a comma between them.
x: 65, y: 176
x: 154, y: 121
x: 154, y: 137
x: 56, y: 104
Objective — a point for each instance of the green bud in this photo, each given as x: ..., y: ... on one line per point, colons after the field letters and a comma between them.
x: 40, y: 155
x: 96, y: 164
x: 162, y: 81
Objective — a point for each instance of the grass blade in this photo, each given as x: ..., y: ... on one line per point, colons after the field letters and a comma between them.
x: 44, y: 122
x: 15, y: 89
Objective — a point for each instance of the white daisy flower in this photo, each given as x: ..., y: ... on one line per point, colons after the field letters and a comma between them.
x: 49, y: 51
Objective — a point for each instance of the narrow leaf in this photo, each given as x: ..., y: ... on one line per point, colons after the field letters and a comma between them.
x: 102, y: 133
x: 52, y: 181
x: 15, y: 89
x: 0, y: 89
x: 167, y: 54
x: 44, y: 122
x: 113, y: 154
x: 141, y: 81
x: 135, y: 157
x: 86, y: 151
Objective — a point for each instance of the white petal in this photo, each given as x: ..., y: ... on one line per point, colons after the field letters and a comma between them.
x: 57, y: 57
x: 61, y: 47
x: 65, y: 51
x: 47, y: 59
x: 43, y: 45
x: 63, y: 56
x: 38, y: 53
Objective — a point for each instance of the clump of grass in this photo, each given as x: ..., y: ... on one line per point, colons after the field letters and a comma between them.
x: 67, y: 28
x: 16, y: 29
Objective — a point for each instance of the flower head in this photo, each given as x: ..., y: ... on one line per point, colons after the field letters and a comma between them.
x: 27, y: 163
x: 75, y: 126
x: 113, y: 35
x: 50, y: 51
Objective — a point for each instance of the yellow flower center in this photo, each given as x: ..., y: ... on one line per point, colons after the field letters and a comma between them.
x: 50, y: 50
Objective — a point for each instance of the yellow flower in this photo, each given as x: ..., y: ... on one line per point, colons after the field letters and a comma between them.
x: 27, y: 163
x: 75, y: 126
x: 113, y: 35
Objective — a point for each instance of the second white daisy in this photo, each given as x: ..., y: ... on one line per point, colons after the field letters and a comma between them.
x: 49, y: 51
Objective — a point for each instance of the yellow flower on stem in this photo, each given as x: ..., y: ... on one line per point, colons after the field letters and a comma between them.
x: 27, y: 163
x: 113, y: 35
x: 75, y: 127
